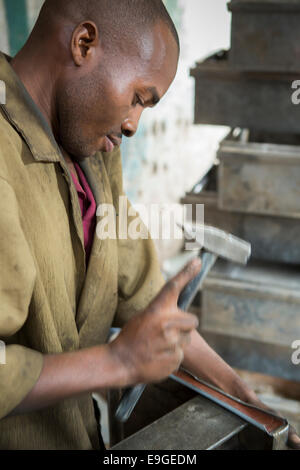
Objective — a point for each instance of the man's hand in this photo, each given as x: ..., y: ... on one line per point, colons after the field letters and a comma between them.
x: 203, y: 362
x: 149, y: 349
x: 151, y: 345
x: 293, y: 438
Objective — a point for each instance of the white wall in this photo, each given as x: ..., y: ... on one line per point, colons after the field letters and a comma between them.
x: 4, y: 46
x: 33, y: 9
x: 169, y: 154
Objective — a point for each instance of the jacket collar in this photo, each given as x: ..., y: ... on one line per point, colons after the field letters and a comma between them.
x: 25, y: 116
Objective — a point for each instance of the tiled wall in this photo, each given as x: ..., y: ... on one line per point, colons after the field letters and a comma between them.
x: 16, y: 20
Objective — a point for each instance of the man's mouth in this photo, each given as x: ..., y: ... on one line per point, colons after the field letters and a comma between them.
x: 110, y: 142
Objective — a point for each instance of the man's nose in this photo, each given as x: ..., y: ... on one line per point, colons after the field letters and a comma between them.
x: 131, y: 123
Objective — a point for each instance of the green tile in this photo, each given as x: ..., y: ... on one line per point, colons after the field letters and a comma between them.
x: 16, y: 17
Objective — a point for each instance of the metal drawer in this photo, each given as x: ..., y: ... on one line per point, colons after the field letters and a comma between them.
x: 265, y: 35
x: 252, y: 316
x: 275, y: 239
x: 260, y: 101
x: 259, y: 178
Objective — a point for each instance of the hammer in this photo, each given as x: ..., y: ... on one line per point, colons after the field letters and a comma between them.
x: 216, y: 243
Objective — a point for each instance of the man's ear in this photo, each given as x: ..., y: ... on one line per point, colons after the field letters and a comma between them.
x: 85, y: 39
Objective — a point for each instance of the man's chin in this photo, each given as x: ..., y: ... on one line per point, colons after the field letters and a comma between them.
x: 80, y: 151
x: 79, y: 154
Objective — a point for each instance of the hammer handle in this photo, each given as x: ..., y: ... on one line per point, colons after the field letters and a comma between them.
x: 189, y: 292
x: 132, y: 395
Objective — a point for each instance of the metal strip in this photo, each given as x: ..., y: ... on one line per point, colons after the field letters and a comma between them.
x: 275, y: 426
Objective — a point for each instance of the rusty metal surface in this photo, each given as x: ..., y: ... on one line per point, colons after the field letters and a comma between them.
x: 260, y: 302
x: 265, y: 35
x: 259, y: 178
x: 260, y: 101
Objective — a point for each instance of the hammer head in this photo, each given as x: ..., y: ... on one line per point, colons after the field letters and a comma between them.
x: 220, y: 243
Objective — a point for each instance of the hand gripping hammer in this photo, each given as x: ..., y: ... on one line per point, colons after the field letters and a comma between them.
x: 216, y: 243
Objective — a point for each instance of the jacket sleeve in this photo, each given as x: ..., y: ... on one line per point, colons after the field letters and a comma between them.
x: 140, y: 276
x: 20, y: 367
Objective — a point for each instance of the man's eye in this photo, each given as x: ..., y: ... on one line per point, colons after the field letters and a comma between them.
x: 138, y: 100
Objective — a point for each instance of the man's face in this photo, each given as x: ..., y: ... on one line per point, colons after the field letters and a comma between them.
x: 103, y: 102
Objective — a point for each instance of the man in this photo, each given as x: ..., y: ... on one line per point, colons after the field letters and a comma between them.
x: 81, y: 81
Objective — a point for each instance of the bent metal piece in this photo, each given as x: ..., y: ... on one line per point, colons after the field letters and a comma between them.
x: 275, y: 426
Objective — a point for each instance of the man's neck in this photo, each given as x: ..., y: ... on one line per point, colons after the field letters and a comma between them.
x: 39, y: 82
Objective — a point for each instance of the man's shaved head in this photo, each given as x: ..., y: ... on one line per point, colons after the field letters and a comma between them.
x: 93, y: 66
x: 114, y: 18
